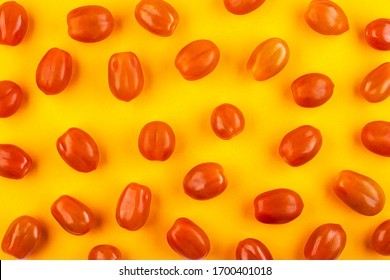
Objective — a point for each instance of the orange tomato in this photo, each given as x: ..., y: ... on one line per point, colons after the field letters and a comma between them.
x: 11, y: 97
x: 252, y: 249
x: 375, y: 136
x: 381, y: 238
x: 14, y: 162
x: 378, y: 34
x: 227, y: 121
x: 375, y: 87
x: 241, y: 7
x: 13, y: 23
x: 104, y: 252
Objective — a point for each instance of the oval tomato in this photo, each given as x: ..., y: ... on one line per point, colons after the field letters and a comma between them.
x: 11, y: 97
x: 252, y: 249
x: 375, y: 87
x: 241, y: 7
x: 104, y: 252
x: 227, y: 121
x: 378, y: 34
x: 381, y: 238
x: 14, y: 162
x: 13, y: 23
x: 375, y: 136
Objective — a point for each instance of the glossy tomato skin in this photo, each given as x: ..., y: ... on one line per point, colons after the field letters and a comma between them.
x: 13, y: 23
x: 268, y: 59
x: 78, y: 149
x: 89, y: 24
x: 73, y: 215
x: 197, y: 59
x: 378, y: 34
x: 242, y: 7
x: 132, y: 210
x: 188, y: 239
x: 15, y: 163
x: 205, y: 181
x: 227, y: 121
x: 157, y: 16
x: 375, y: 87
x: 278, y: 206
x: 375, y: 136
x: 156, y: 141
x: 312, y: 90
x: 54, y: 71
x: 11, y: 97
x: 252, y: 249
x: 125, y: 76
x: 359, y: 192
x: 105, y: 252
x: 300, y: 145
x: 325, y: 243
x: 22, y: 237
x: 326, y: 17
x: 381, y: 238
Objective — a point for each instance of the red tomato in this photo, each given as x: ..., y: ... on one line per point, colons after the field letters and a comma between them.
x: 300, y: 145
x: 268, y: 59
x: 54, y: 71
x: 89, y: 24
x: 156, y: 141
x: 11, y: 97
x: 241, y: 7
x: 78, y: 150
x: 157, y: 16
x: 14, y: 162
x: 278, y: 206
x: 188, y: 240
x: 197, y: 59
x: 375, y: 87
x: 125, y: 76
x: 227, y: 121
x: 74, y: 216
x: 252, y: 249
x: 104, y: 252
x: 132, y: 210
x: 375, y: 136
x: 13, y: 23
x: 205, y: 181
x: 378, y: 34
x: 381, y: 238
x: 312, y: 90
x: 326, y: 17
x: 325, y: 243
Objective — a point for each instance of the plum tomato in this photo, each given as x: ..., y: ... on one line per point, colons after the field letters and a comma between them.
x: 381, y: 238
x: 227, y: 121
x: 375, y: 87
x: 105, y: 252
x: 375, y: 136
x: 11, y: 97
x: 378, y: 34
x: 15, y: 163
x: 252, y: 249
x: 13, y: 23
x: 242, y: 7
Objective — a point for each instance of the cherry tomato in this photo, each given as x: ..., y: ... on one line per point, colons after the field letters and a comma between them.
x: 241, y: 7
x: 252, y: 249
x: 78, y: 150
x: 104, y: 252
x: 197, y: 59
x: 132, y: 210
x: 278, y: 206
x: 11, y: 97
x: 359, y: 192
x: 268, y: 59
x: 381, y: 238
x: 312, y: 90
x: 378, y: 34
x: 22, y: 237
x: 157, y: 16
x: 125, y: 76
x: 188, y: 239
x: 13, y: 23
x: 326, y: 17
x: 325, y: 243
x: 227, y: 121
x: 375, y: 136
x: 375, y: 87
x: 89, y: 24
x: 205, y: 181
x: 156, y: 141
x: 74, y: 216
x: 54, y: 71
x: 14, y: 162
x: 300, y: 145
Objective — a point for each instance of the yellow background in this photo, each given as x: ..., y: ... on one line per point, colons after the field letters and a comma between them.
x: 251, y: 160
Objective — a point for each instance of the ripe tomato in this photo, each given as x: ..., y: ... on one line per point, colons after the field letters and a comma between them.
x: 381, y: 238
x: 54, y: 71
x: 300, y: 145
x: 78, y: 150
x: 205, y: 181
x: 11, y: 97
x: 325, y: 243
x: 156, y: 141
x: 268, y: 59
x: 104, y: 252
x: 125, y: 76
x: 378, y: 34
x: 375, y: 136
x: 375, y: 87
x: 89, y: 24
x: 252, y: 249
x: 278, y: 206
x: 227, y: 121
x: 241, y: 7
x: 312, y: 90
x: 197, y: 59
x: 13, y: 23
x: 188, y: 239
x: 326, y: 17
x: 14, y: 162
x: 157, y: 16
x: 132, y: 210
x: 74, y: 216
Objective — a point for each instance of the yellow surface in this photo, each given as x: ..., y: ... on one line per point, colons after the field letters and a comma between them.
x: 251, y: 160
